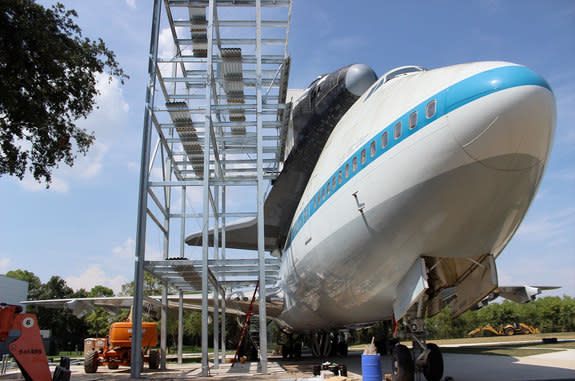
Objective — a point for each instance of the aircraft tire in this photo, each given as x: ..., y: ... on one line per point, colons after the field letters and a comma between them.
x: 154, y: 359
x: 91, y: 362
x: 113, y: 365
x: 401, y: 364
x: 509, y: 331
x: 433, y: 370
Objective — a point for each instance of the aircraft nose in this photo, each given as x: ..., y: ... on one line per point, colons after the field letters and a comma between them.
x: 504, y: 118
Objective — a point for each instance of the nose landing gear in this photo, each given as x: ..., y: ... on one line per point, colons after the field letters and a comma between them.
x: 427, y: 358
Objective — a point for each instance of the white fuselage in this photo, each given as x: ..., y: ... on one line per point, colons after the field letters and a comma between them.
x: 455, y: 185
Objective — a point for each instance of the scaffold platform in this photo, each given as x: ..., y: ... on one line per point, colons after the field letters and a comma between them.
x: 215, y: 123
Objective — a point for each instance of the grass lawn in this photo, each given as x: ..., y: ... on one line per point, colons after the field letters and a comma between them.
x: 491, y: 346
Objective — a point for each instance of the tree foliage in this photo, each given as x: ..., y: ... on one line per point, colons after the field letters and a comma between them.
x: 99, y: 320
x: 549, y: 314
x: 47, y: 83
x: 152, y: 286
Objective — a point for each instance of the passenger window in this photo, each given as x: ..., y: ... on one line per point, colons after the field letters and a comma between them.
x: 346, y: 171
x: 363, y: 156
x: 372, y: 149
x: 323, y: 194
x: 339, y: 177
x: 354, y: 164
x: 412, y: 120
x: 333, y: 182
x: 397, y: 130
x: 305, y: 214
x: 328, y: 190
x: 430, y: 109
x: 384, y: 140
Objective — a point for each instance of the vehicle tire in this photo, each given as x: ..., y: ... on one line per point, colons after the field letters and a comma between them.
x: 401, y: 364
x: 91, y: 362
x: 509, y: 331
x: 113, y: 365
x: 433, y: 370
x: 342, y: 348
x: 154, y: 359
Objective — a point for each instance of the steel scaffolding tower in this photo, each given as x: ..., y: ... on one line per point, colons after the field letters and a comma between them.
x: 215, y: 108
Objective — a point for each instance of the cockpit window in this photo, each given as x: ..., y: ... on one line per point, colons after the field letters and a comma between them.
x: 401, y: 71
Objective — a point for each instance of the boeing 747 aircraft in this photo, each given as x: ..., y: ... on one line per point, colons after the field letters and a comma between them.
x: 397, y: 189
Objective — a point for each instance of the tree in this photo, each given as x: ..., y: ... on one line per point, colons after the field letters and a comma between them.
x: 67, y: 330
x: 100, y: 291
x: 152, y: 286
x: 47, y: 83
x: 99, y: 320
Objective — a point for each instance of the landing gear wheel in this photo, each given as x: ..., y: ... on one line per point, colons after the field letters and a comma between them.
x: 112, y: 365
x: 321, y: 344
x: 509, y: 331
x: 91, y: 362
x: 401, y: 364
x: 433, y: 370
x: 154, y: 359
x: 342, y: 348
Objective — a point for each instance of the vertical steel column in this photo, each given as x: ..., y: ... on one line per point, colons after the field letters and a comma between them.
x: 167, y: 176
x: 216, y: 324
x: 181, y: 298
x: 224, y: 259
x: 260, y: 193
x: 136, y: 359
x: 216, y: 288
x: 206, y: 192
x: 180, y: 326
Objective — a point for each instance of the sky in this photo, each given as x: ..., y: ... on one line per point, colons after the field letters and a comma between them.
x: 83, y: 228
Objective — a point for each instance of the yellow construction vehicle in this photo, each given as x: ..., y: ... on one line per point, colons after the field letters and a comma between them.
x: 515, y: 328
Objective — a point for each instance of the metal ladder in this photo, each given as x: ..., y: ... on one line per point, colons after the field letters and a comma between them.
x: 246, y: 324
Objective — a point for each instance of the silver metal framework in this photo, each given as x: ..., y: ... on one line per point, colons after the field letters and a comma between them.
x: 215, y: 108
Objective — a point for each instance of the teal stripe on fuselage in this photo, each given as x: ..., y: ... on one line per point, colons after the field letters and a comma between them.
x: 449, y: 99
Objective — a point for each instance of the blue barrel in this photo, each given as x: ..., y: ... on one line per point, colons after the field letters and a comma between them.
x: 371, y: 367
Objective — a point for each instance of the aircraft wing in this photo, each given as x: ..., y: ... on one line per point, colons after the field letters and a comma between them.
x: 522, y: 294
x: 83, y: 306
x: 517, y: 294
x: 237, y: 303
x: 241, y: 234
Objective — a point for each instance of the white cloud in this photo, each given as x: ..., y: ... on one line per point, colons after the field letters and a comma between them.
x: 131, y: 3
x: 125, y: 250
x: 107, y: 121
x: 5, y: 265
x: 57, y: 185
x: 166, y: 43
x: 93, y: 276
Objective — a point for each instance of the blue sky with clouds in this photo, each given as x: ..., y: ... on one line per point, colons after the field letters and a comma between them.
x: 83, y: 227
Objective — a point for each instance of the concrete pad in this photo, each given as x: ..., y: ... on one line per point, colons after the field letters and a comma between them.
x: 559, y: 365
